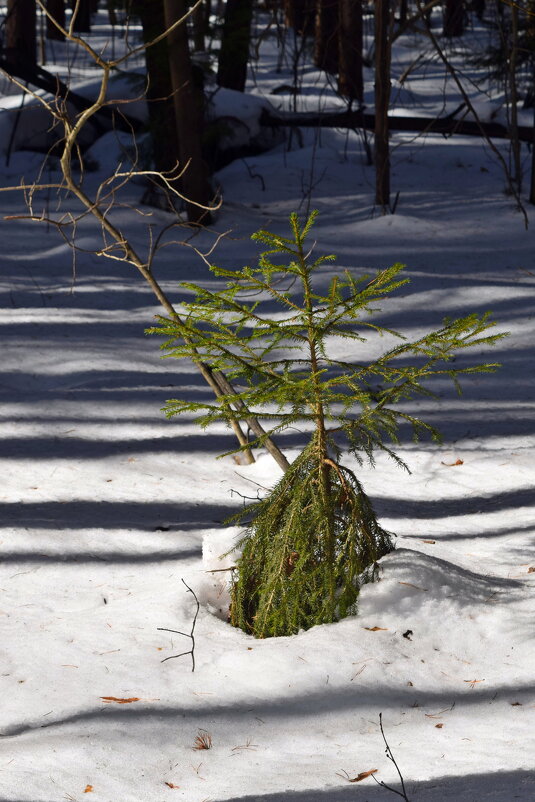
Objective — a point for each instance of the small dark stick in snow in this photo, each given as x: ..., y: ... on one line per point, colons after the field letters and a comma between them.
x: 186, y: 635
x: 390, y: 756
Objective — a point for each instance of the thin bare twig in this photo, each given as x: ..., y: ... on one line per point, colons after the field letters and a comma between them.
x: 390, y: 756
x: 191, y: 633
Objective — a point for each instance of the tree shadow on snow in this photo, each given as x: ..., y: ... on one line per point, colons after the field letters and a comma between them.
x: 498, y: 787
x: 306, y: 706
x: 146, y: 516
x: 508, y: 500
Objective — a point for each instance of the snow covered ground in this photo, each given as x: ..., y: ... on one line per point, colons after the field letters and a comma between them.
x: 105, y: 506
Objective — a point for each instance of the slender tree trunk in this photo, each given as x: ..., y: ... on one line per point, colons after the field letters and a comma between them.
x: 162, y: 123
x: 479, y: 8
x: 199, y: 28
x: 57, y: 9
x: 513, y: 99
x: 403, y: 12
x: 530, y: 40
x: 300, y: 15
x: 112, y: 13
x: 20, y: 35
x: 350, y: 79
x: 532, y: 182
x: 453, y: 18
x: 382, y: 100
x: 326, y: 35
x: 82, y: 20
x: 317, y: 409
x: 188, y: 100
x: 207, y: 5
x: 234, y: 52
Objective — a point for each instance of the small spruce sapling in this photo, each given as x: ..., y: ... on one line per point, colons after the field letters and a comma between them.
x: 314, y: 538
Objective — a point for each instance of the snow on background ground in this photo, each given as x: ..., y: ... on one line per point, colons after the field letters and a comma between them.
x: 105, y: 506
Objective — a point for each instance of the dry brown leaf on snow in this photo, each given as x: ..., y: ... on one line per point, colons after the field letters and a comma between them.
x: 410, y: 585
x: 376, y: 629
x: 172, y: 785
x: 453, y: 464
x: 362, y: 775
x: 429, y: 541
x: 120, y: 700
x: 439, y: 726
x: 531, y: 570
x: 88, y: 789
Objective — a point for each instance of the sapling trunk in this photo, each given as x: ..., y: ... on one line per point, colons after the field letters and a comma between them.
x: 319, y: 413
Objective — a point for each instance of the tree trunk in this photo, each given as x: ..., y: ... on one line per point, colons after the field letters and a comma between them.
x: 57, y: 9
x: 300, y: 15
x: 162, y: 122
x: 234, y: 52
x: 188, y: 101
x: 326, y: 35
x: 20, y: 36
x: 513, y: 100
x: 453, y: 18
x: 82, y: 20
x: 112, y: 13
x: 447, y: 125
x: 403, y: 12
x: 199, y: 28
x: 530, y: 38
x: 382, y: 100
x: 532, y: 181
x: 350, y: 79
x: 479, y: 7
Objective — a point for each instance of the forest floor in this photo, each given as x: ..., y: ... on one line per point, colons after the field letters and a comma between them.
x: 106, y: 505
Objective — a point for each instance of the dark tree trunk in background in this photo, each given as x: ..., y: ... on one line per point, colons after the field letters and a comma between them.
x: 532, y: 178
x: 199, y: 28
x: 479, y: 8
x: 188, y: 100
x: 112, y: 13
x: 234, y: 52
x: 159, y: 90
x: 513, y: 100
x: 382, y: 100
x: 57, y: 9
x: 403, y: 11
x: 326, y: 35
x: 20, y: 38
x: 82, y: 21
x: 300, y: 15
x: 453, y: 18
x: 350, y: 79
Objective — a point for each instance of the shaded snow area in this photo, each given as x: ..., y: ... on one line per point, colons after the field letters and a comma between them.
x: 106, y: 507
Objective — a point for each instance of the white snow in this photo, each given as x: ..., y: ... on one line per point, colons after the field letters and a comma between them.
x: 106, y: 505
